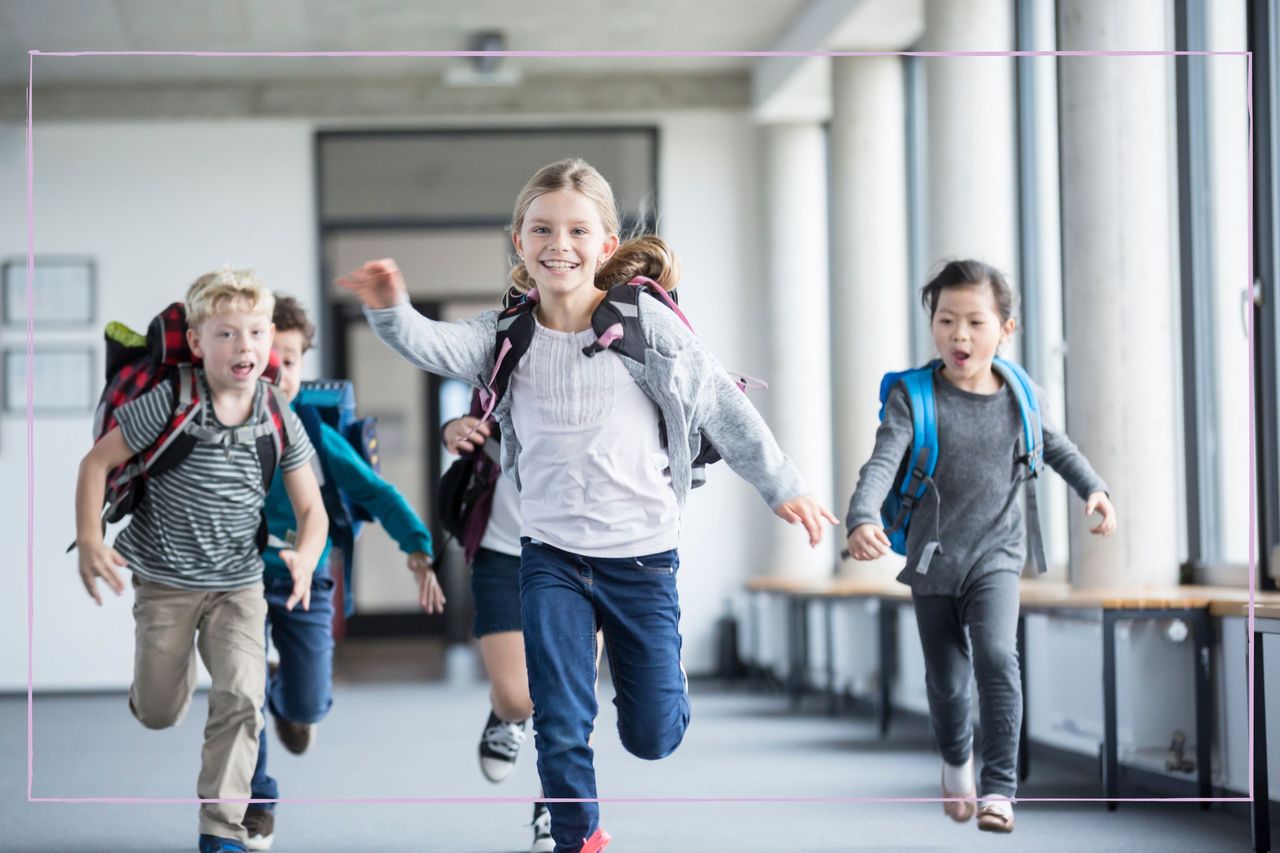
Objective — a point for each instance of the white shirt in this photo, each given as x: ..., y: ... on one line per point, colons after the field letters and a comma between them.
x: 593, y: 473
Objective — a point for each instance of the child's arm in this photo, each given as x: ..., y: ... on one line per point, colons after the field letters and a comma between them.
x: 385, y: 503
x: 97, y: 559
x: 866, y: 538
x: 313, y: 531
x: 1062, y: 455
x: 460, y: 350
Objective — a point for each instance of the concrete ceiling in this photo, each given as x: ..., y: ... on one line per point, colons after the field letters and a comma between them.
x: 777, y: 88
x: 376, y: 25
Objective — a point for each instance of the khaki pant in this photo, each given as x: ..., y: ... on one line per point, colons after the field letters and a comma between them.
x: 226, y: 626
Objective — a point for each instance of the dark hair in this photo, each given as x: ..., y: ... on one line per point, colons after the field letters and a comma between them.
x: 968, y: 273
x: 289, y: 316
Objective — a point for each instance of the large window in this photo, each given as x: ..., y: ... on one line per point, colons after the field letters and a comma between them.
x: 1213, y: 254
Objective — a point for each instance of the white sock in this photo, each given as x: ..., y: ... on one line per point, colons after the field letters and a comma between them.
x: 958, y: 779
x: 997, y: 802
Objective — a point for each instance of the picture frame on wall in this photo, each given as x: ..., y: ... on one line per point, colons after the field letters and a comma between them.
x: 64, y: 292
x: 65, y: 380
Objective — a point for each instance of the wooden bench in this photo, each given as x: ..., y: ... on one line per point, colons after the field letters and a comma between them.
x: 1193, y: 604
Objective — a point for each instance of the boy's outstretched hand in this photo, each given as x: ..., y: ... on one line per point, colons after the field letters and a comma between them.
x: 805, y: 510
x: 430, y: 593
x: 378, y: 284
x: 1099, y: 502
x: 100, y: 562
x: 301, y: 580
x: 867, y: 542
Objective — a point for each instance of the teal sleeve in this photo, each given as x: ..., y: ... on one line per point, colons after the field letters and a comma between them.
x: 374, y: 494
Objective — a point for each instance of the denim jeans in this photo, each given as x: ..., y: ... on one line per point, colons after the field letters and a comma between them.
x: 564, y: 598
x: 989, y: 609
x: 302, y: 690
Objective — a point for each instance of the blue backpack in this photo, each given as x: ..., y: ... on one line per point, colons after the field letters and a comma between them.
x: 333, y: 402
x: 916, y: 471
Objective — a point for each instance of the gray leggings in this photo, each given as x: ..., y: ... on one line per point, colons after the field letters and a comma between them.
x: 989, y: 608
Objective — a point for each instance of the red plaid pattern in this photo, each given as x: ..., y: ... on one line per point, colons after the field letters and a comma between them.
x: 165, y: 350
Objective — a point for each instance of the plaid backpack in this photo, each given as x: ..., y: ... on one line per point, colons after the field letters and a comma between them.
x: 137, y: 364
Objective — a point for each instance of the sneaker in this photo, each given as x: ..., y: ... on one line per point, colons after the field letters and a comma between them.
x: 500, y: 747
x: 295, y: 737
x: 597, y: 842
x: 542, y: 840
x: 995, y: 814
x: 217, y: 844
x: 959, y: 810
x: 260, y: 824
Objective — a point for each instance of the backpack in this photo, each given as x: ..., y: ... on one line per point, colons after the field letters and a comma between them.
x: 135, y: 364
x: 616, y: 322
x: 464, y: 497
x: 918, y: 464
x: 333, y: 402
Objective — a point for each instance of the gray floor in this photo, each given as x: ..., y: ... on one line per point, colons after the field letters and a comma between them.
x: 419, y: 740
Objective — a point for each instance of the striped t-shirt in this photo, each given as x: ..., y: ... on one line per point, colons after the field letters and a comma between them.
x: 197, y: 523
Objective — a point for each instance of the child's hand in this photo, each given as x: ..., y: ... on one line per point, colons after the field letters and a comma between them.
x: 430, y: 594
x: 868, y: 541
x: 379, y: 284
x: 805, y: 510
x: 98, y: 561
x: 1099, y: 502
x: 465, y: 434
x: 301, y: 579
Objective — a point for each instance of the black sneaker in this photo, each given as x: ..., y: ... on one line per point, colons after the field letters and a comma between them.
x: 500, y: 747
x: 260, y: 825
x: 542, y: 840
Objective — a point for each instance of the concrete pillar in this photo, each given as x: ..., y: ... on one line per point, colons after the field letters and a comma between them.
x: 871, y: 294
x: 971, y: 182
x: 799, y: 395
x: 1120, y: 285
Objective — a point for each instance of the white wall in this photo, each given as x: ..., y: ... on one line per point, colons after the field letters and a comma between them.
x: 155, y: 205
x: 158, y: 204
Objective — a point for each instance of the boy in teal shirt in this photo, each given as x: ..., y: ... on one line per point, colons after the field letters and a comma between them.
x: 299, y: 692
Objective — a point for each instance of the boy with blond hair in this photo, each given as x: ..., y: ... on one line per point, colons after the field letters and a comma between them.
x: 192, y: 542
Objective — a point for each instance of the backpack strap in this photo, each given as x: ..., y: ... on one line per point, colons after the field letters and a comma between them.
x: 918, y: 384
x: 512, y: 336
x: 1032, y: 443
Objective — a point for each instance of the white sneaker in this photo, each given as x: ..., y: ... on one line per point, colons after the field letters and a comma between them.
x: 995, y: 814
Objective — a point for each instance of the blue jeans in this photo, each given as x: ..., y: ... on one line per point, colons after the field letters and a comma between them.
x: 302, y: 690
x: 564, y: 598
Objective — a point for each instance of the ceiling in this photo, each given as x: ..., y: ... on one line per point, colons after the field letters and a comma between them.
x: 372, y: 25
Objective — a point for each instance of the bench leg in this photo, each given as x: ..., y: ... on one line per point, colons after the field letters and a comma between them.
x: 829, y: 636
x: 1024, y: 747
x: 1261, y: 804
x: 1204, y: 703
x: 1110, y: 761
x: 888, y: 648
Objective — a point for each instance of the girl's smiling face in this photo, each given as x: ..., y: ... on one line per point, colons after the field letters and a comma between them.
x: 968, y: 332
x: 563, y: 241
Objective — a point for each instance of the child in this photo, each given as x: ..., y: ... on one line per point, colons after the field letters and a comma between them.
x: 192, y: 543
x: 495, y: 588
x: 300, y: 691
x: 965, y: 547
x: 600, y: 491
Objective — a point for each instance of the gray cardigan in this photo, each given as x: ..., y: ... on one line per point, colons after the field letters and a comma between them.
x: 692, y: 391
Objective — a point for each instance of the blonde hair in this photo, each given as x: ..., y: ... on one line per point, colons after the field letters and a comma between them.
x: 646, y: 255
x: 227, y: 290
